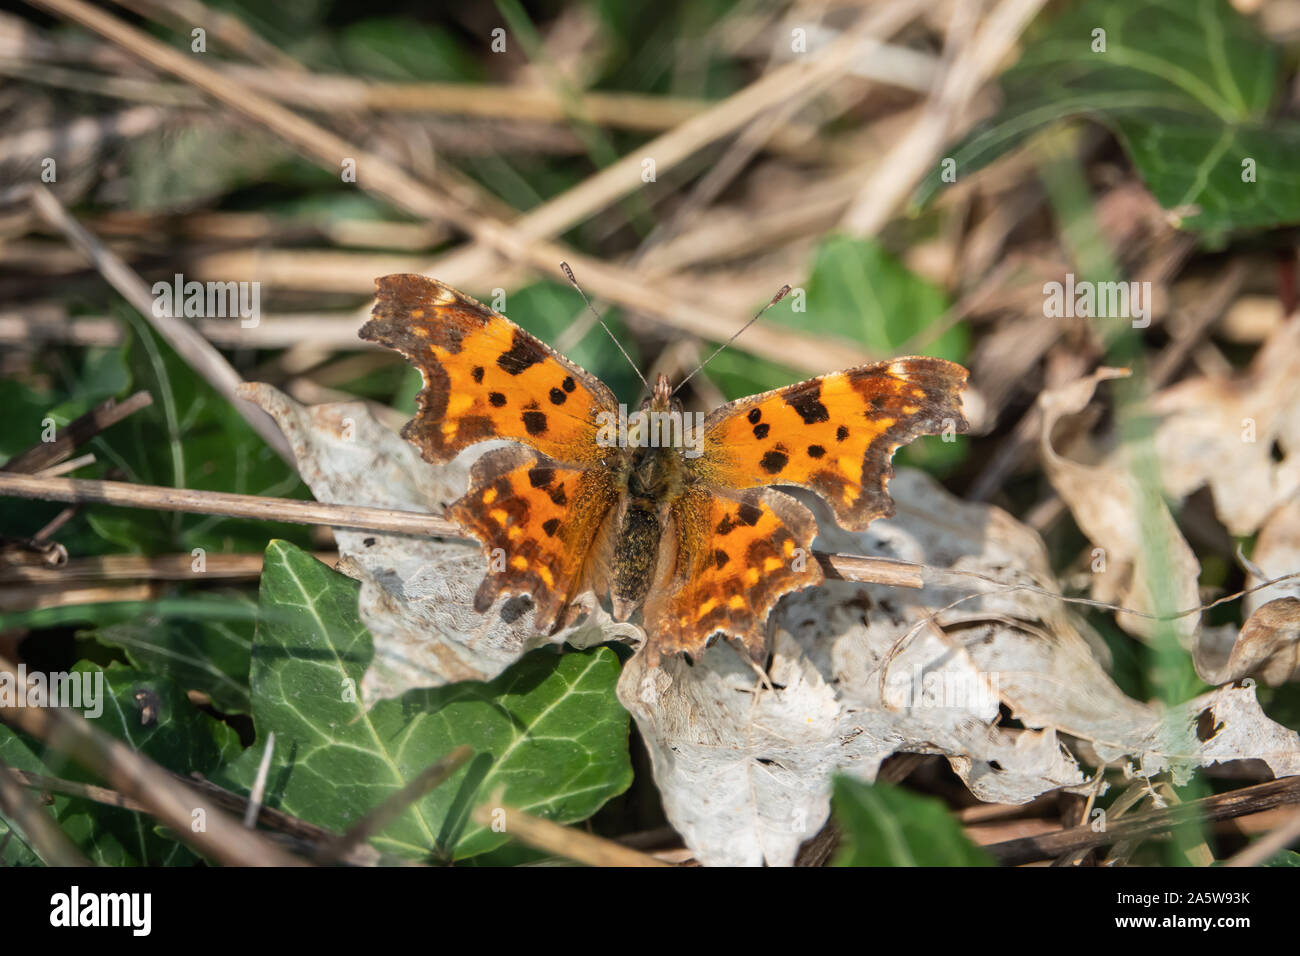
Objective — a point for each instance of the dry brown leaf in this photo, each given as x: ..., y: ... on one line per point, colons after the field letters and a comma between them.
x: 1240, y: 435
x: 1128, y: 525
x: 1268, y: 646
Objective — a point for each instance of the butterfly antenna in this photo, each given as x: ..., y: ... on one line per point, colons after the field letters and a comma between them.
x: 781, y: 294
x: 568, y: 274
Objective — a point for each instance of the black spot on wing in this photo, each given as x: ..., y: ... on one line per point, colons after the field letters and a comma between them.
x: 773, y: 462
x: 540, y: 477
x: 523, y: 354
x: 807, y: 401
x: 550, y: 526
x: 535, y: 422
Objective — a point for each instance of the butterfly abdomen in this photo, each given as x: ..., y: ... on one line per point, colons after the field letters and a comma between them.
x: 636, y: 551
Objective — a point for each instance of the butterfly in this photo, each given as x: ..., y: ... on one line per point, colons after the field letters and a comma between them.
x: 665, y: 513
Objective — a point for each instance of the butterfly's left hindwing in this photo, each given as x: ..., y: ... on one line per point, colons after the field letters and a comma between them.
x: 537, y: 520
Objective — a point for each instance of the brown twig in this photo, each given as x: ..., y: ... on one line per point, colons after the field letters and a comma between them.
x: 353, y: 517
x: 129, y: 495
x: 1263, y: 796
x: 39, y: 598
x: 136, y: 567
x: 77, y: 432
x: 563, y: 841
x: 19, y: 808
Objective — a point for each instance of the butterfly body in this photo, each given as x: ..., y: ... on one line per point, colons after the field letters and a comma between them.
x: 655, y: 474
x: 661, y: 511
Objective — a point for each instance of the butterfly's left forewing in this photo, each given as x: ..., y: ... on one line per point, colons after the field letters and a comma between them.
x: 484, y: 377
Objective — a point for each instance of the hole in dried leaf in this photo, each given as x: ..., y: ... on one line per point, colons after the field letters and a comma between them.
x: 515, y: 608
x: 1206, y: 728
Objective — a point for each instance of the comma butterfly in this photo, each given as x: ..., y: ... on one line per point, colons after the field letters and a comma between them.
x: 655, y: 513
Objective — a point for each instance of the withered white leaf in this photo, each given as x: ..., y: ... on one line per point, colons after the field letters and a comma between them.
x: 862, y: 671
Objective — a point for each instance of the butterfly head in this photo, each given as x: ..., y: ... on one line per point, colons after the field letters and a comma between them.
x: 661, y: 397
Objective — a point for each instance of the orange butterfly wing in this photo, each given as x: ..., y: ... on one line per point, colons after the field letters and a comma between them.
x: 836, y: 434
x: 484, y: 377
x: 733, y: 548
x: 739, y: 551
x: 537, y: 520
x: 536, y: 512
x: 734, y: 557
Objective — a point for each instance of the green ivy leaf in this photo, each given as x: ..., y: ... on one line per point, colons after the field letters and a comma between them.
x: 1283, y: 858
x: 549, y: 730
x: 1189, y: 101
x: 194, y: 646
x: 885, y: 826
x: 152, y: 716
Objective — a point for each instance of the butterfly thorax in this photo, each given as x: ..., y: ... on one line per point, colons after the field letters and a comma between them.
x: 656, y: 474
